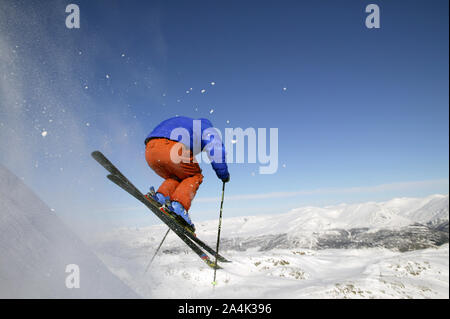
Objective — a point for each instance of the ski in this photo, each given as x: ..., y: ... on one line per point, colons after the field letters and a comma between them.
x: 175, y: 227
x: 188, y: 237
x: 111, y: 168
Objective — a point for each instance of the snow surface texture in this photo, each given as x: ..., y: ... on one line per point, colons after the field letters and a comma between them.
x: 36, y: 247
x: 395, y: 249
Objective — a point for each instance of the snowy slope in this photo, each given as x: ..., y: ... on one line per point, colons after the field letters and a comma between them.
x: 268, y: 264
x: 36, y: 247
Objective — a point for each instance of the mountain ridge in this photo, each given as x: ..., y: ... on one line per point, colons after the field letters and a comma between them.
x: 402, y: 224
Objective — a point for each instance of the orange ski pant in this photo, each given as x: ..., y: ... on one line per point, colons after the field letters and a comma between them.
x: 182, y: 179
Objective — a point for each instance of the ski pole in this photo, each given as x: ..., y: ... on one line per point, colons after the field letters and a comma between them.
x: 156, y: 252
x: 218, y: 234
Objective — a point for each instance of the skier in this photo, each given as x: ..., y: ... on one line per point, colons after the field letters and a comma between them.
x: 182, y: 174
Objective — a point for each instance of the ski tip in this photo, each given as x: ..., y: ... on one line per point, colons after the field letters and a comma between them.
x: 214, y: 283
x: 95, y: 154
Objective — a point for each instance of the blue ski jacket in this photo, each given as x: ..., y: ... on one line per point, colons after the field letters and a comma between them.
x: 165, y: 129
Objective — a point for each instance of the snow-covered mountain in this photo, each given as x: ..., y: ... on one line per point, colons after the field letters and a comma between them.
x: 36, y: 247
x: 394, y: 249
x: 393, y: 214
x: 401, y: 223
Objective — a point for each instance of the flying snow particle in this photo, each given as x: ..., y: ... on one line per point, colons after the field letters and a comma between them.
x: 213, y: 83
x: 284, y: 165
x: 123, y: 55
x: 228, y: 121
x: 203, y: 91
x: 233, y: 141
x: 187, y: 92
x: 107, y: 76
x: 211, y: 111
x: 88, y: 124
x: 44, y: 133
x: 284, y: 89
x: 86, y: 87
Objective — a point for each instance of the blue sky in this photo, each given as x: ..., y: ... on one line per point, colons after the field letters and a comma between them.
x: 362, y: 108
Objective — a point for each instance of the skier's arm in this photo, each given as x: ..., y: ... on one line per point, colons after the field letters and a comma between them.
x: 215, y: 150
x: 221, y: 168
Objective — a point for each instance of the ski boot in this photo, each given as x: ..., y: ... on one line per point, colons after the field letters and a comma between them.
x: 182, y: 216
x: 157, y: 197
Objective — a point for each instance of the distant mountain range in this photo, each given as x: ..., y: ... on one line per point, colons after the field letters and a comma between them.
x: 401, y: 224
